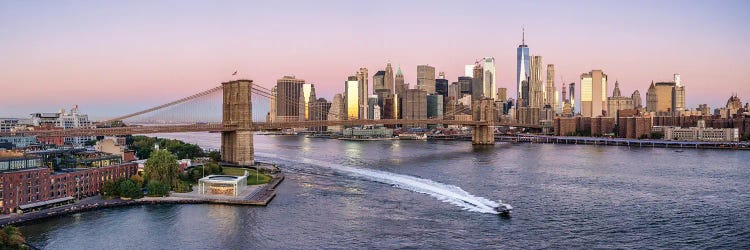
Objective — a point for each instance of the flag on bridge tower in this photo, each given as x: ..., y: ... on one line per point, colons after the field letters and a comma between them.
x: 235, y: 73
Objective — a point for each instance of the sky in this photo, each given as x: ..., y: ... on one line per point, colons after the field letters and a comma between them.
x: 118, y: 57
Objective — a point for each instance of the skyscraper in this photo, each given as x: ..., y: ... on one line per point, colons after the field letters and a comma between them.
x: 288, y: 95
x: 593, y: 93
x: 415, y: 104
x: 362, y: 79
x: 469, y: 70
x: 572, y: 94
x: 536, y: 89
x: 464, y: 85
x: 637, y: 102
x: 522, y: 69
x: 378, y: 81
x: 550, y: 90
x: 389, y: 77
x: 477, y: 88
x: 399, y: 81
x: 489, y: 84
x: 502, y: 94
x: 678, y: 95
x: 351, y: 98
x: 617, y: 102
x: 337, y: 111
x: 308, y: 96
x: 651, y: 99
x: 426, y: 78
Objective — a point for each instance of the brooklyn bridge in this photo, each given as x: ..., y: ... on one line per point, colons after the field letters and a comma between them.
x: 236, y: 121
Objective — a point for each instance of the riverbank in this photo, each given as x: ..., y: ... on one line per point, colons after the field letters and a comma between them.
x: 624, y: 142
x: 259, y: 196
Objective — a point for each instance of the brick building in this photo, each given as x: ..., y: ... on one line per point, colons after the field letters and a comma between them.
x: 36, y: 186
x: 634, y: 127
x: 742, y: 124
x: 602, y: 126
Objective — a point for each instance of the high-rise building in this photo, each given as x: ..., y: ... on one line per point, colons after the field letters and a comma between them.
x: 373, y: 109
x: 399, y: 81
x: 426, y: 78
x: 434, y: 106
x: 522, y: 69
x: 550, y: 90
x: 593, y: 94
x: 319, y: 111
x: 477, y: 83
x: 441, y: 86
x: 351, y: 98
x: 536, y: 88
x: 414, y: 104
x: 337, y: 111
x: 288, y: 95
x: 308, y: 96
x: 637, y: 102
x: 490, y: 78
x: 389, y: 77
x: 617, y: 102
x: 378, y: 81
x: 651, y: 99
x: 502, y: 94
x: 678, y: 95
x: 362, y: 79
x: 454, y: 91
x: 572, y: 94
x: 469, y: 70
x: 464, y: 85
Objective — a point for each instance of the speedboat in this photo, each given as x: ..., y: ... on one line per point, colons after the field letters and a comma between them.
x: 503, y: 210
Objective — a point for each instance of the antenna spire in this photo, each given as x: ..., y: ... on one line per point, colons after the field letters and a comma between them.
x: 523, y: 35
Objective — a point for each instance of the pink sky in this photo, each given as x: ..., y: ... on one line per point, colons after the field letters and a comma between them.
x: 115, y: 58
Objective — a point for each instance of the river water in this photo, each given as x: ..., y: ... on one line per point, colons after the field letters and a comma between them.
x: 440, y: 194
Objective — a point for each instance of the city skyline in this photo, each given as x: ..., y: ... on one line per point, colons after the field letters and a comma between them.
x: 99, y: 56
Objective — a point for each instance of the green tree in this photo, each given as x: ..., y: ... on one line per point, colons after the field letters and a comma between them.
x: 157, y: 188
x: 214, y: 155
x: 89, y: 143
x: 111, y: 188
x: 657, y: 135
x: 161, y: 166
x: 128, y: 189
x: 182, y: 187
x: 137, y: 179
x: 11, y: 238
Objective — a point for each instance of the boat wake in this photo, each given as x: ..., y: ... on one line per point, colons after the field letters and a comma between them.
x: 443, y: 192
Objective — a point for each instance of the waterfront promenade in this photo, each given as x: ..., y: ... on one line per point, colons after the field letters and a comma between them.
x: 623, y: 142
x: 259, y: 195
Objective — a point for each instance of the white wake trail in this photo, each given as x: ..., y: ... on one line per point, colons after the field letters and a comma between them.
x: 443, y: 192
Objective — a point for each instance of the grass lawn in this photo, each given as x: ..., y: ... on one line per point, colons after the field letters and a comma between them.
x: 254, y: 178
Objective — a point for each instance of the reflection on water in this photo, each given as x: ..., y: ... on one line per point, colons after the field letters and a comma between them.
x: 564, y: 196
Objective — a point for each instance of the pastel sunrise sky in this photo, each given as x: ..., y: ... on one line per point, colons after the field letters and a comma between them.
x: 117, y: 57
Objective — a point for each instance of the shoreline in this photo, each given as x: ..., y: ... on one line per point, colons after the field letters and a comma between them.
x: 261, y: 197
x: 603, y: 141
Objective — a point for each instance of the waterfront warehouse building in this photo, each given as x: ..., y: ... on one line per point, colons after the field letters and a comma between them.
x: 701, y: 133
x: 26, y: 185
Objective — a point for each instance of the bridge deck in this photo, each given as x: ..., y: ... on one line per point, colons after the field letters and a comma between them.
x: 256, y: 126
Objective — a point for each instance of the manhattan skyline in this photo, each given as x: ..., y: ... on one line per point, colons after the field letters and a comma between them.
x: 102, y: 55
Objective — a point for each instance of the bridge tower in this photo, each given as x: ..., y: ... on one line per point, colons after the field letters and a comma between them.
x: 483, y: 111
x: 237, y: 111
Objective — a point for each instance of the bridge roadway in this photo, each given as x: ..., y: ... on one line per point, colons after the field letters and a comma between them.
x: 257, y: 126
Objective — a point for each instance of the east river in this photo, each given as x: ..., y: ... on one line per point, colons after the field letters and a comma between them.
x: 440, y: 194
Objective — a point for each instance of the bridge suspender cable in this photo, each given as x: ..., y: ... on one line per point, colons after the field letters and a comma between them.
x: 204, y: 93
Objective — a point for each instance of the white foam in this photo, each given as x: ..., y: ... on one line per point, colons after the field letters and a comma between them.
x: 443, y: 192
